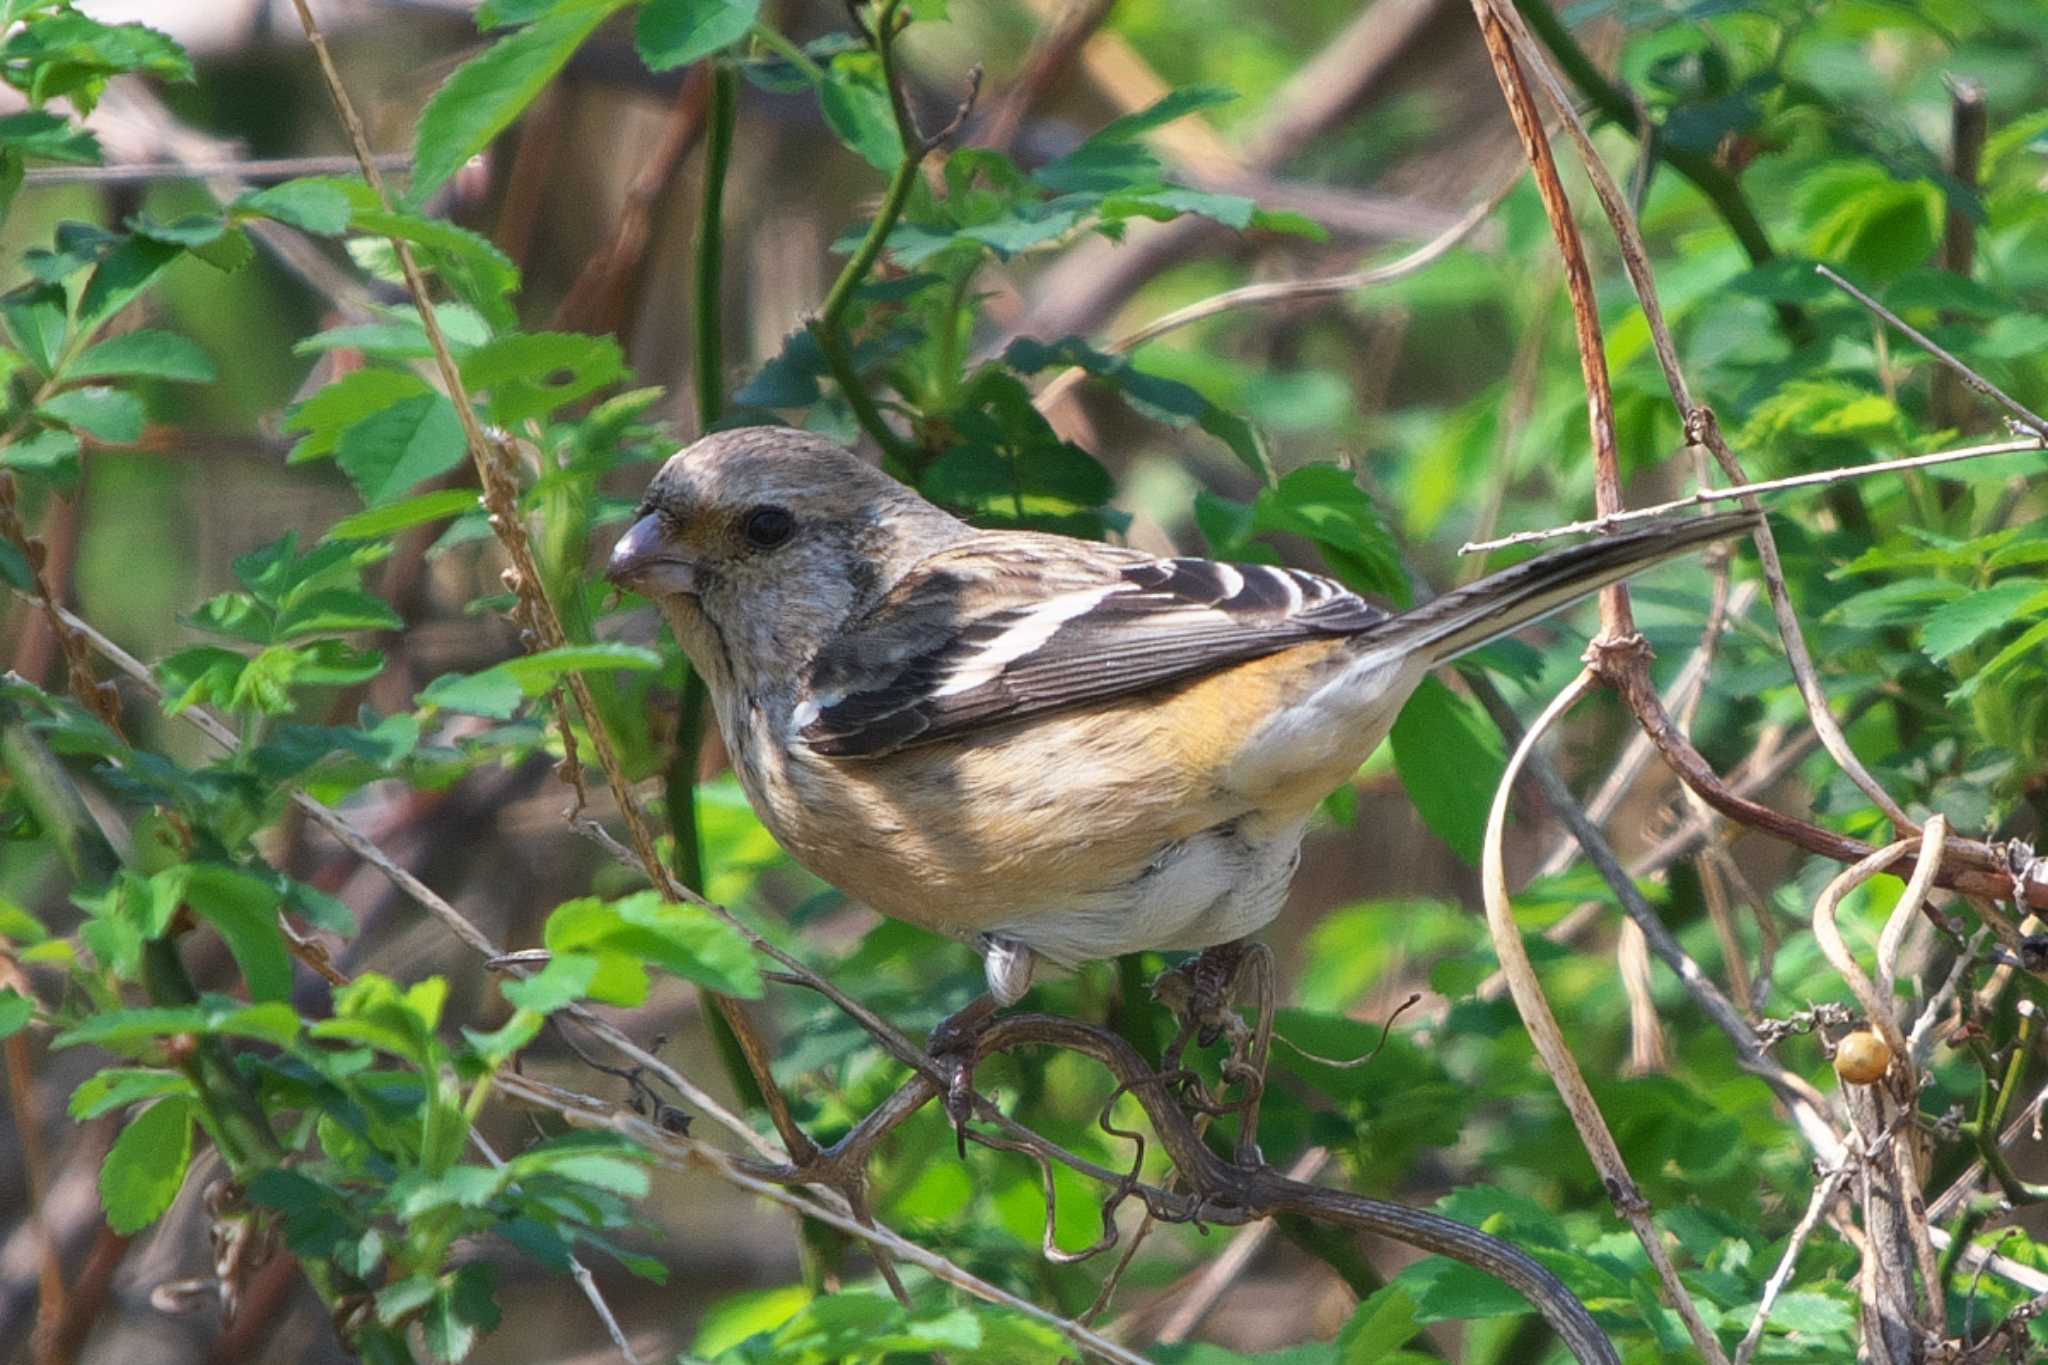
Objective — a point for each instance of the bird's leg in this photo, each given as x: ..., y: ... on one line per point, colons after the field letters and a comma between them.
x: 1009, y: 965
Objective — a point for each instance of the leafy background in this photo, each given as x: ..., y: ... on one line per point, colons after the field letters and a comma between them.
x: 221, y: 429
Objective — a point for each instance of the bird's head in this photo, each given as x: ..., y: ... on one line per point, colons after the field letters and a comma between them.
x: 760, y: 543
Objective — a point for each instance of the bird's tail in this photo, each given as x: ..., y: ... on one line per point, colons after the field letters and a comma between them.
x: 1468, y: 617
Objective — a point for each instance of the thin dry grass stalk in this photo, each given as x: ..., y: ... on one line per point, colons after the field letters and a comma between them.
x: 1549, y: 1039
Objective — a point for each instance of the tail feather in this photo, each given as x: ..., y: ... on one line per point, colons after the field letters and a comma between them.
x: 1499, y: 604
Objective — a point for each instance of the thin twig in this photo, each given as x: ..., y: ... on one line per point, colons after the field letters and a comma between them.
x: 1712, y: 495
x: 1289, y: 291
x: 256, y: 171
x: 2024, y: 415
x: 1824, y: 1195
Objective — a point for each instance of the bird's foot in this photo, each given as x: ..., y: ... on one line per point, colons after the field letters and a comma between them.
x: 952, y: 1045
x: 1009, y: 966
x: 1200, y: 992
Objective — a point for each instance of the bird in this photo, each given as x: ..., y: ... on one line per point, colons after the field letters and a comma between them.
x: 1053, y: 749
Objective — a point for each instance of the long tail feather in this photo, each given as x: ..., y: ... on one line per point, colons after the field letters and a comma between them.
x: 1499, y: 604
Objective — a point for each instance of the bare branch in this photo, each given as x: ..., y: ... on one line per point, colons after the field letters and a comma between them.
x: 2025, y: 415
x: 1739, y: 491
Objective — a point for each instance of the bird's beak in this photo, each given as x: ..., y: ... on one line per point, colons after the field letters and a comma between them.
x: 645, y: 560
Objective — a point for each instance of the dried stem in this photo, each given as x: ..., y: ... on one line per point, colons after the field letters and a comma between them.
x: 1288, y: 291
x: 2021, y: 413
x: 1705, y: 496
x: 1824, y: 1195
x: 1549, y: 1038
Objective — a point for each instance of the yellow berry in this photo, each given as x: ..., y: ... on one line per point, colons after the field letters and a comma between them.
x: 1862, y: 1058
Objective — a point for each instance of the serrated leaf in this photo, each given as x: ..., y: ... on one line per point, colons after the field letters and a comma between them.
x: 1381, y: 1325
x: 146, y: 1166
x: 244, y: 910
x: 673, y: 33
x: 487, y: 92
x: 378, y: 522
x: 530, y: 375
x: 117, y: 1087
x: 497, y: 690
x: 313, y: 205
x: 1955, y: 626
x: 389, y: 452
x: 337, y: 610
x: 147, y: 353
x: 348, y: 400
x: 41, y: 134
x: 462, y: 1310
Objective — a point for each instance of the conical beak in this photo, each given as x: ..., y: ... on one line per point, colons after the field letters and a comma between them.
x: 646, y: 561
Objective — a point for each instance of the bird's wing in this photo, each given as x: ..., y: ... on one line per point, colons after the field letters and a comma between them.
x: 1007, y: 626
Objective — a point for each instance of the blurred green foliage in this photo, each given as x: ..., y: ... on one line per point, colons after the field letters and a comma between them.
x: 1925, y: 596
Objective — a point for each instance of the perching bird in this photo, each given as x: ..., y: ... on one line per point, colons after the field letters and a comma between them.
x: 1050, y: 748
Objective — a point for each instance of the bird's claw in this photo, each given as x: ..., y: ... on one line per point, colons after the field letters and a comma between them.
x: 952, y: 1046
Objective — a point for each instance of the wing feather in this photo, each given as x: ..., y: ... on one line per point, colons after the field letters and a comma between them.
x: 1001, y: 630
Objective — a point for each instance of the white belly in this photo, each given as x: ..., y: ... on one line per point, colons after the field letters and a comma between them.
x: 1217, y: 886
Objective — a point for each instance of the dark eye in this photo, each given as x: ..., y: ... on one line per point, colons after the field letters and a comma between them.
x: 767, y: 527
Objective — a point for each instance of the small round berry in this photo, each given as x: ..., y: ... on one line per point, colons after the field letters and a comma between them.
x: 1862, y: 1058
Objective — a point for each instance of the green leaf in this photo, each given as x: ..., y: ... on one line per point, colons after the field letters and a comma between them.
x: 50, y: 454
x: 685, y: 939
x: 673, y: 33
x: 120, y: 1086
x: 244, y: 910
x: 16, y: 1010
x: 1449, y: 758
x: 387, y: 453
x: 315, y: 205
x: 463, y: 1309
x: 38, y: 318
x: 564, y: 980
x: 128, y: 270
x: 1955, y: 626
x: 1324, y: 503
x: 1162, y: 399
x: 337, y: 610
x: 472, y: 265
x: 497, y: 691
x: 189, y: 230
x: 1381, y: 1325
x: 148, y: 353
x: 489, y: 91
x: 1178, y: 104
x: 348, y: 400
x: 378, y: 522
x: 530, y: 375
x: 146, y: 1166
x: 858, y: 109
x: 43, y: 135
x: 110, y: 416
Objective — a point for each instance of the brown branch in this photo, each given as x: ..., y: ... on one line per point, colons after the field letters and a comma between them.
x: 1617, y: 621
x: 607, y: 288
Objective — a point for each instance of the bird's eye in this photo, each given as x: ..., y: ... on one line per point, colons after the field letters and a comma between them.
x: 767, y: 527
